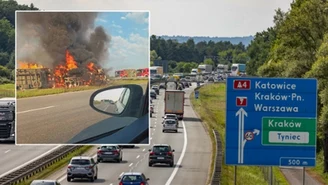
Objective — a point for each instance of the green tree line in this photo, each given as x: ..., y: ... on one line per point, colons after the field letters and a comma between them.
x: 297, y: 47
x: 7, y: 38
x: 185, y: 56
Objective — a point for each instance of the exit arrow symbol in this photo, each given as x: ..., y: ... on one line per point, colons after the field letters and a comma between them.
x: 257, y: 132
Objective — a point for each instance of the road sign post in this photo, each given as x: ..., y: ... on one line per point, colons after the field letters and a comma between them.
x: 196, y: 94
x: 271, y: 121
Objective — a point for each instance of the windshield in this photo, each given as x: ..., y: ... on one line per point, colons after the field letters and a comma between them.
x: 170, y: 122
x: 43, y: 183
x: 234, y: 68
x: 80, y: 162
x: 108, y: 148
x: 161, y: 149
x: 170, y: 116
x: 132, y: 178
x: 153, y: 71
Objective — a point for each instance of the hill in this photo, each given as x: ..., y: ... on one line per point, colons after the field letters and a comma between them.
x: 234, y: 40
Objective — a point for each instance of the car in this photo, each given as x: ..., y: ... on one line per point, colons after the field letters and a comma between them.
x: 210, y: 79
x: 109, y: 153
x: 170, y: 116
x: 153, y: 94
x: 186, y: 84
x: 151, y: 110
x: 162, y: 86
x: 155, y: 88
x: 137, y: 178
x: 161, y: 154
x: 82, y: 167
x: 45, y: 182
x: 170, y: 125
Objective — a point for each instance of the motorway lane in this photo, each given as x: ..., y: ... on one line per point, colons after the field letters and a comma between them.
x: 55, y: 119
x: 13, y: 156
x: 192, y: 170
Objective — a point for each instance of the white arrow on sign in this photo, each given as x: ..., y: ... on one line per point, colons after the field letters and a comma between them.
x: 255, y: 132
x: 241, y: 113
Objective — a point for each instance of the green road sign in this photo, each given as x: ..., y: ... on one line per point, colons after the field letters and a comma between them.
x: 280, y: 131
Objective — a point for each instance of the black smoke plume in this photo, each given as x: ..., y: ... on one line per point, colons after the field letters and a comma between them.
x: 44, y: 37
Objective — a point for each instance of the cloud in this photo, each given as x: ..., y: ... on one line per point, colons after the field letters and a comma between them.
x: 129, y: 53
x: 123, y: 18
x: 116, y: 26
x: 139, y: 17
x: 101, y: 20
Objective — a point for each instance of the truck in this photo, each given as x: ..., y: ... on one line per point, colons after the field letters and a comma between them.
x: 222, y: 68
x: 194, y: 72
x: 156, y: 70
x: 174, y: 103
x: 238, y: 69
x: 7, y: 119
x: 205, y: 68
x: 143, y: 72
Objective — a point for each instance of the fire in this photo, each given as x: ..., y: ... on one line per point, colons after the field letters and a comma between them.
x: 26, y: 65
x: 61, y: 72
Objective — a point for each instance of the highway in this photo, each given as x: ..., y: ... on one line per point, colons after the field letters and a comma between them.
x: 192, y: 153
x: 55, y: 119
x: 14, y: 156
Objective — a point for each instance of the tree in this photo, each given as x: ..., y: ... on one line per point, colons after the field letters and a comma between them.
x: 319, y: 70
x: 209, y: 61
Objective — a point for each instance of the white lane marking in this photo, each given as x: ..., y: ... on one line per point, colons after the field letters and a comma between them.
x: 31, y: 110
x: 154, y: 129
x: 7, y: 151
x: 151, y: 138
x: 152, y: 133
x: 111, y: 184
x: 10, y: 171
x: 121, y: 174
x: 144, y: 149
x: 138, y: 156
x: 65, y: 175
x: 176, y: 168
x: 106, y: 107
x: 130, y: 164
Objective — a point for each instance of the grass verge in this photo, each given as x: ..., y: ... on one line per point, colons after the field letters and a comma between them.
x: 7, y: 90
x: 60, y: 164
x: 211, y: 108
x: 317, y: 171
x: 42, y: 92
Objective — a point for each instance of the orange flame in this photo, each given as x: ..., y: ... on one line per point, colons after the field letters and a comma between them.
x: 70, y: 62
x: 90, y: 66
x: 26, y: 65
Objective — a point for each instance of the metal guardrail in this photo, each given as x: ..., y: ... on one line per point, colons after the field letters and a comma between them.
x: 37, y: 166
x: 216, y: 176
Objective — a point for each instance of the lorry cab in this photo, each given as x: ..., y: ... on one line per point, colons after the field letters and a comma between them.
x: 7, y: 119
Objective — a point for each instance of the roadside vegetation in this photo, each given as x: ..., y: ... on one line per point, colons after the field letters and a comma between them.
x: 42, y: 92
x: 211, y: 108
x: 56, y: 166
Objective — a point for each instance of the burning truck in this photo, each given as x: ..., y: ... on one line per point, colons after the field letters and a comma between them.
x: 132, y: 73
x: 60, y: 49
x: 35, y: 76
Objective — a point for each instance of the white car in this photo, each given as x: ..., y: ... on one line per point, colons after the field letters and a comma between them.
x: 170, y: 125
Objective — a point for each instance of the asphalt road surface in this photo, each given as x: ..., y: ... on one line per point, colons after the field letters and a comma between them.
x: 192, y: 154
x: 55, y: 119
x: 13, y: 156
x: 107, y: 107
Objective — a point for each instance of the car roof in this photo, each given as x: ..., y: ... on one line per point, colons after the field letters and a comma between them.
x: 108, y: 145
x: 170, y: 115
x: 81, y: 157
x: 44, y: 181
x: 161, y: 145
x: 132, y: 173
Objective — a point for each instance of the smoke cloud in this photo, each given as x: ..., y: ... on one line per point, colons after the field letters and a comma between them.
x: 44, y: 37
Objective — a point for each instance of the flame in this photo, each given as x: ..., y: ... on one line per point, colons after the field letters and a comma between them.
x: 26, y: 65
x: 70, y: 62
x: 60, y: 72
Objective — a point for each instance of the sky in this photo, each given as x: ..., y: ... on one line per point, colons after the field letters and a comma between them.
x: 222, y: 18
x: 129, y: 46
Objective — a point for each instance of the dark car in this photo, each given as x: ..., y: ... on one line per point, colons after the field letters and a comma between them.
x: 109, y: 153
x: 153, y: 94
x: 186, y: 84
x: 133, y: 178
x: 162, y: 86
x: 155, y: 88
x: 161, y: 154
x: 211, y: 79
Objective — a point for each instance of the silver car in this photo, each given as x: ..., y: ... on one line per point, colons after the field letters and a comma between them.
x: 170, y: 125
x: 170, y: 116
x: 82, y: 167
x: 45, y: 182
x: 109, y: 153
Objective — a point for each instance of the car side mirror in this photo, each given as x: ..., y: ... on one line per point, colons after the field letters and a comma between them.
x: 173, y: 150
x: 98, y: 148
x: 149, y: 150
x: 119, y: 178
x: 147, y: 179
x: 127, y: 100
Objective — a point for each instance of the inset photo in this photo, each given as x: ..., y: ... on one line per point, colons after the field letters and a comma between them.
x: 82, y: 77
